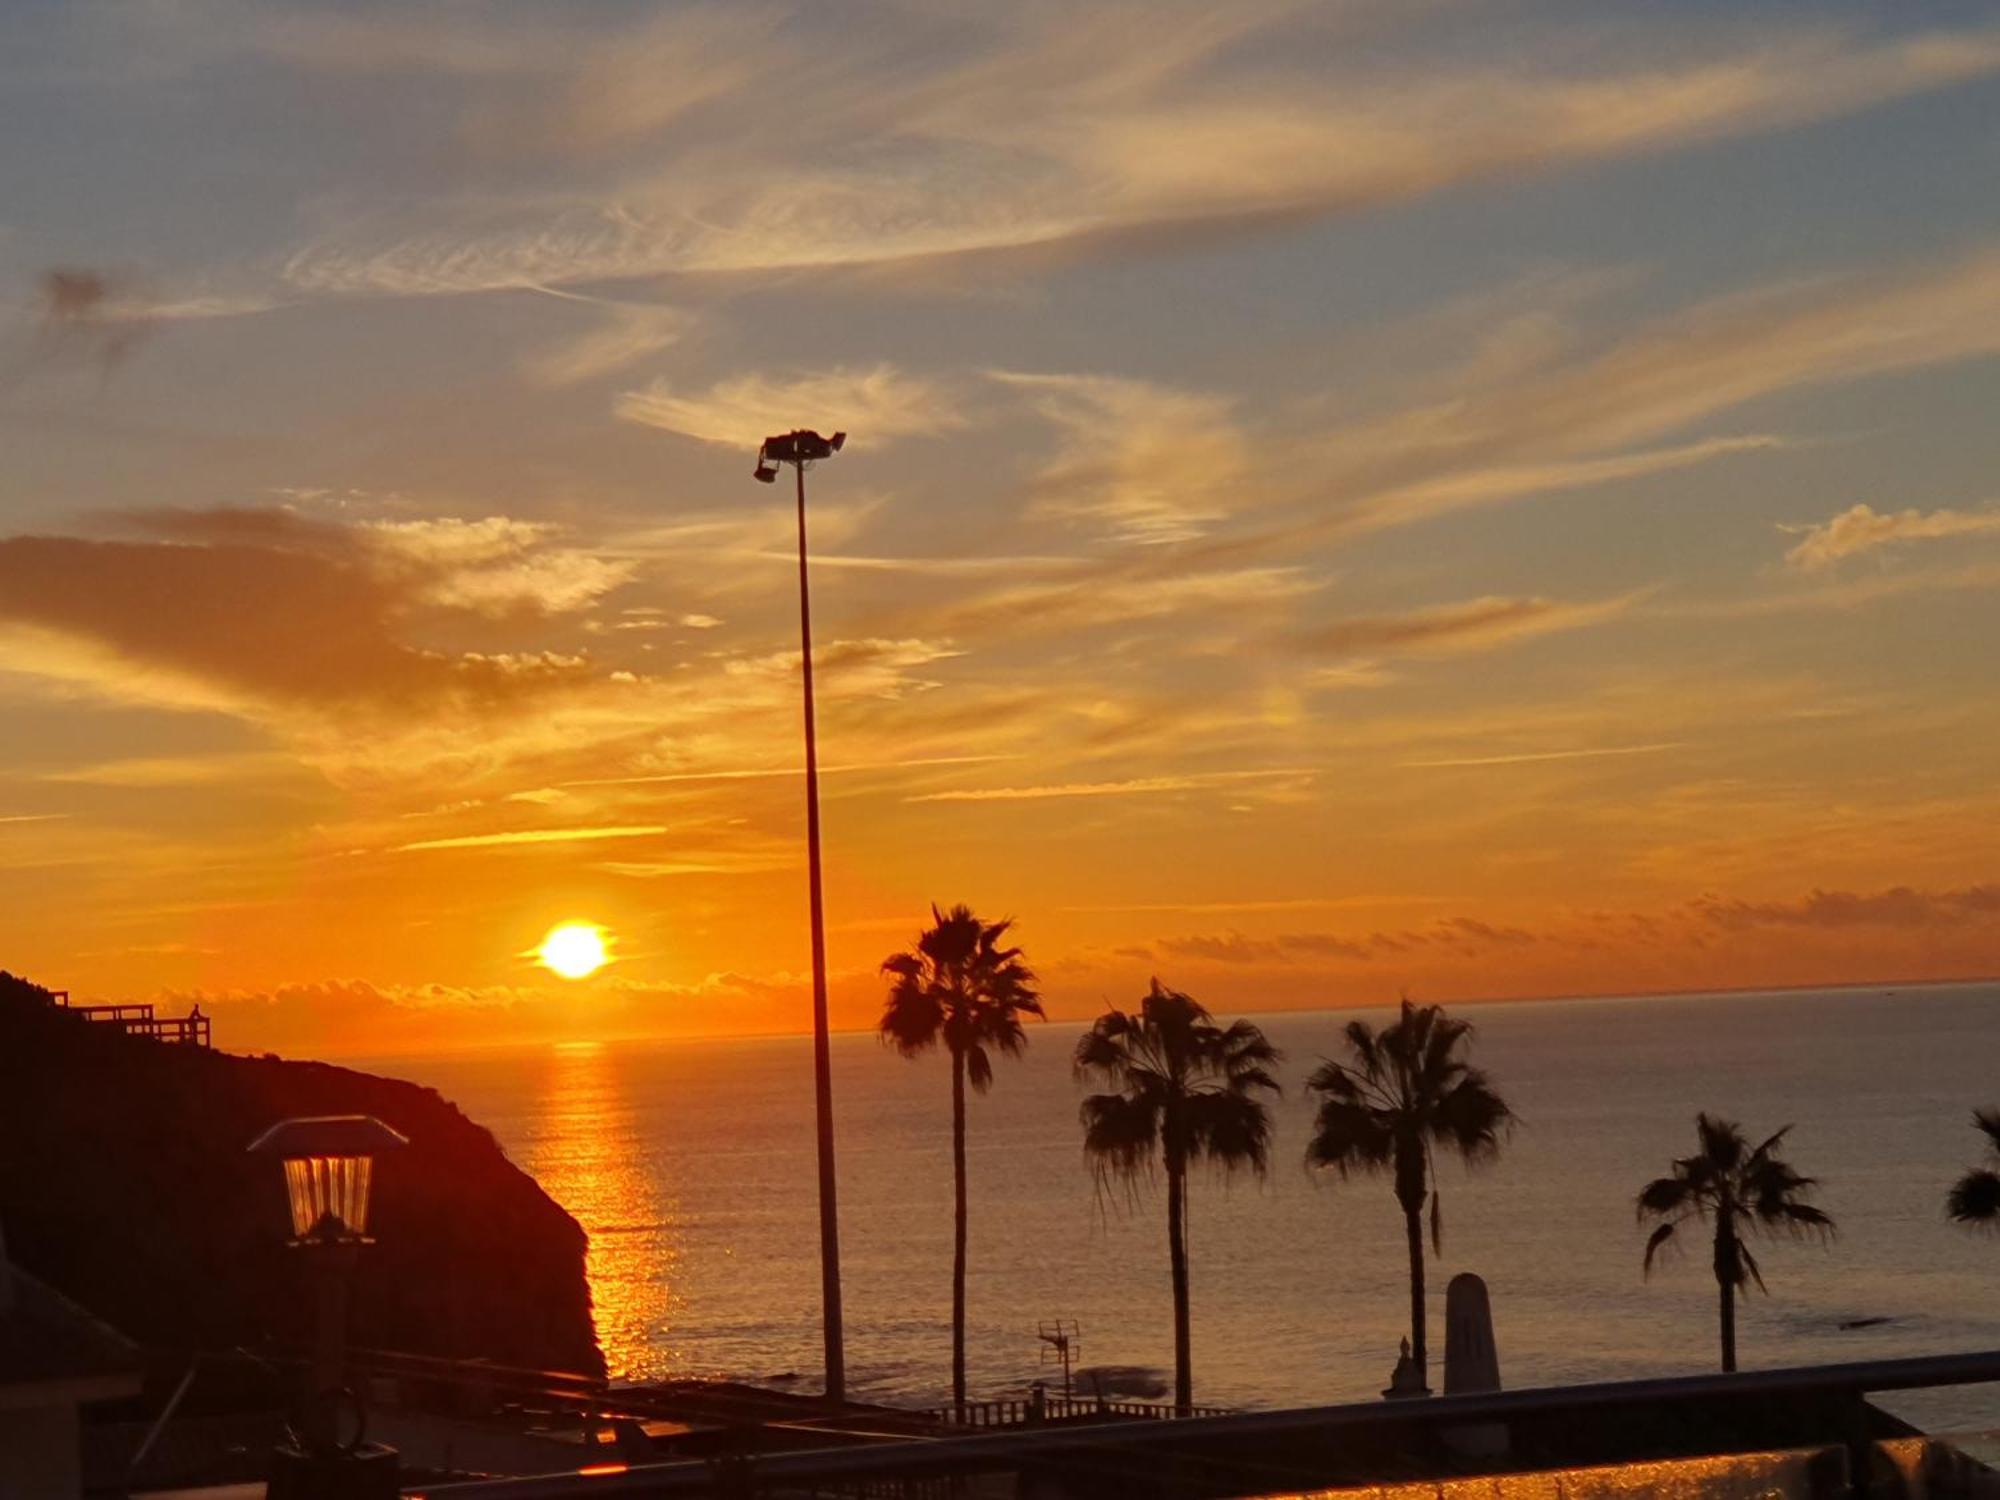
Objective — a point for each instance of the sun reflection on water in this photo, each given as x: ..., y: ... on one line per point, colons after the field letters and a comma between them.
x: 593, y: 1155
x: 1739, y: 1476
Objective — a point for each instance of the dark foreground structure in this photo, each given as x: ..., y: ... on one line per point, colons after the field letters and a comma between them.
x: 125, y: 1186
x: 1807, y: 1432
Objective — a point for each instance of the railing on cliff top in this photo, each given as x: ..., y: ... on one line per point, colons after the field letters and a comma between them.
x: 194, y: 1028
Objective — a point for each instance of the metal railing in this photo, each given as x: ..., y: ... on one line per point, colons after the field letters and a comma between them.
x: 138, y: 1019
x: 1827, y: 1396
x: 1026, y: 1411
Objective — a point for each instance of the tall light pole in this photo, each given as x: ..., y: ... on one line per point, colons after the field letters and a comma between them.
x: 801, y: 449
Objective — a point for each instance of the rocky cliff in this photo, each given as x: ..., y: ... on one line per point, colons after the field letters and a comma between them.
x: 124, y: 1183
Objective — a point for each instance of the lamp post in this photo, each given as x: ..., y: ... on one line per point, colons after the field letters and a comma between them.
x: 801, y: 449
x: 329, y: 1166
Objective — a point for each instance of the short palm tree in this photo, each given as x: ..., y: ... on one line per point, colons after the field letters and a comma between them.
x: 1975, y: 1198
x: 1185, y: 1089
x: 959, y: 986
x: 1404, y: 1091
x: 1740, y: 1190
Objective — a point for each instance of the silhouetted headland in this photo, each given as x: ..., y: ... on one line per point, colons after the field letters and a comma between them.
x: 126, y: 1186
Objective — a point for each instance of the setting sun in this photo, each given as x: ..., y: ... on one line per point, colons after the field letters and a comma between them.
x: 574, y: 950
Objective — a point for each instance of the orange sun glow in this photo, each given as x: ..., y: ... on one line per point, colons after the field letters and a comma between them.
x: 574, y: 950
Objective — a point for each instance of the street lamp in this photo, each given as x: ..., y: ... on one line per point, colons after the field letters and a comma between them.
x: 329, y: 1165
x: 801, y: 450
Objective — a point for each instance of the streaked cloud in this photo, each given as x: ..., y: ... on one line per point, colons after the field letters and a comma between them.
x: 871, y: 667
x: 1136, y: 787
x: 1449, y: 629
x: 1481, y: 485
x: 1055, y: 131
x: 623, y: 333
x: 534, y: 836
x: 1146, y: 463
x: 1462, y: 936
x: 179, y: 770
x: 1295, y: 903
x: 1108, y: 594
x: 764, y: 772
x: 1534, y: 757
x: 1862, y: 528
x: 879, y: 404
x: 1898, y: 906
x: 1571, y: 415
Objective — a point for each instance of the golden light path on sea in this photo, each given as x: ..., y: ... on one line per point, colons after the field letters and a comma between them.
x: 584, y: 1155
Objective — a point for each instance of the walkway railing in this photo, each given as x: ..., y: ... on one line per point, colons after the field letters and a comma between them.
x: 1028, y: 1411
x: 139, y: 1020
x: 1827, y: 1401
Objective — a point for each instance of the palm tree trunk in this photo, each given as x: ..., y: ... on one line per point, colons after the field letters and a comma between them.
x: 1728, y: 1328
x: 1413, y: 1230
x: 1725, y: 1281
x: 1177, y: 1260
x: 958, y: 1232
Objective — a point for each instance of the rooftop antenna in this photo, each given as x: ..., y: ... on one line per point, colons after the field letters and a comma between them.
x: 1059, y: 1345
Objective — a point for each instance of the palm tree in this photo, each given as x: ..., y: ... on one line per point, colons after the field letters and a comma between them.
x: 1743, y: 1191
x: 1184, y: 1086
x: 961, y: 987
x: 1975, y: 1198
x: 1403, y: 1092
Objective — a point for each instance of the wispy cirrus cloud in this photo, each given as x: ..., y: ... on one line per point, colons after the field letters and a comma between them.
x: 761, y: 773
x: 1451, y: 629
x: 1139, y: 786
x: 624, y: 333
x: 1106, y: 593
x: 880, y: 403
x: 1862, y: 528
x: 1535, y: 757
x: 1574, y: 413
x: 517, y: 836
x: 1040, y: 130
x: 1147, y: 463
x: 574, y: 90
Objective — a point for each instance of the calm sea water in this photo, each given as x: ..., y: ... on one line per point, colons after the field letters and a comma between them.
x: 691, y: 1166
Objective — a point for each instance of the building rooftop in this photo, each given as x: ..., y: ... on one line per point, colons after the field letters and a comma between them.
x: 52, y: 1349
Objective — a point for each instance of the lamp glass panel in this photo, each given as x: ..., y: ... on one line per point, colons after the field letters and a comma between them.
x: 323, y: 1186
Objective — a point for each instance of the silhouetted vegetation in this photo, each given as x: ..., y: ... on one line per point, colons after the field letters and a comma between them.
x: 961, y: 988
x: 1739, y: 1190
x: 125, y: 1184
x: 1975, y: 1198
x: 1404, y: 1091
x: 1185, y: 1088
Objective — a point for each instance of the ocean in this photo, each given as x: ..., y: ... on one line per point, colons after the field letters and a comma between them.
x: 691, y: 1166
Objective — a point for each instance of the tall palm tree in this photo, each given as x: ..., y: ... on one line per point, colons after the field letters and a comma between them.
x: 1742, y: 1191
x: 1186, y: 1087
x: 1404, y: 1091
x: 1975, y: 1198
x: 961, y: 987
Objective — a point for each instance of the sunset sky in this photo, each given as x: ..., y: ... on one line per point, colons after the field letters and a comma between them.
x: 1468, y: 499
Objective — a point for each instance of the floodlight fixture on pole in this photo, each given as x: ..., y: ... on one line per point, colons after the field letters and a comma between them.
x: 802, y: 449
